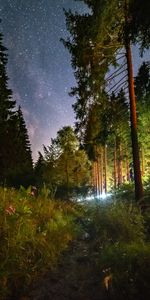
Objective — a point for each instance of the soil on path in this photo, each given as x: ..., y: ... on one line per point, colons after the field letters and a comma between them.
x: 74, y: 279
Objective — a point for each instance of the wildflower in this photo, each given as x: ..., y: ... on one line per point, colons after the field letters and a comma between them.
x: 10, y: 210
x: 33, y: 191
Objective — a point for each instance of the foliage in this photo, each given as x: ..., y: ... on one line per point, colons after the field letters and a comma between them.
x: 116, y: 221
x: 34, y: 232
x: 98, y: 45
x: 65, y: 168
x: 120, y: 247
x: 142, y: 82
x: 20, y: 171
x: 6, y: 112
x: 15, y: 151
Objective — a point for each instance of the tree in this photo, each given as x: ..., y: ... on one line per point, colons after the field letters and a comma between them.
x: 142, y: 82
x: 67, y: 168
x: 142, y: 89
x: 139, y: 26
x: 39, y: 170
x: 23, y: 160
x: 7, y: 112
x: 108, y: 28
x: 15, y: 150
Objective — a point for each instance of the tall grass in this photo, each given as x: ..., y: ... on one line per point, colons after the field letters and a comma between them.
x: 121, y: 242
x: 33, y: 234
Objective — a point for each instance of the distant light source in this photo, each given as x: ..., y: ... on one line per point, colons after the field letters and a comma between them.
x: 103, y: 196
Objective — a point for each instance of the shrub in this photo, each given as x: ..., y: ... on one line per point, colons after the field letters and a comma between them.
x: 115, y: 221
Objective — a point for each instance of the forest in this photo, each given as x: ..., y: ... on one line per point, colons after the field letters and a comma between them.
x: 75, y: 224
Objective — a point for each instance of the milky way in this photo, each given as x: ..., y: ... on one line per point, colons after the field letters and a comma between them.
x: 38, y: 64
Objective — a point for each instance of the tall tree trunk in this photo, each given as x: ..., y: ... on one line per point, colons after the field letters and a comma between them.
x: 67, y: 179
x: 120, y: 165
x: 93, y: 174
x: 101, y: 163
x: 133, y: 119
x: 98, y: 176
x: 105, y: 167
x: 97, y: 168
x: 115, y: 164
x: 143, y: 161
x: 133, y: 116
x: 127, y: 167
x: 97, y: 183
x: 94, y: 177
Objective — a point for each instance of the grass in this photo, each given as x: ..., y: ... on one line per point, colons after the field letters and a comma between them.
x: 120, y: 238
x: 34, y: 232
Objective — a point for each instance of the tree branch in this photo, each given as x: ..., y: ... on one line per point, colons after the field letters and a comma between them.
x: 116, y: 71
x: 118, y: 87
x: 117, y: 83
x: 111, y: 78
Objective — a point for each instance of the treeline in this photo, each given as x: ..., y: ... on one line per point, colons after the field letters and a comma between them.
x: 64, y: 168
x: 107, y: 136
x: 112, y: 110
x: 111, y: 136
x: 102, y: 161
x: 16, y: 166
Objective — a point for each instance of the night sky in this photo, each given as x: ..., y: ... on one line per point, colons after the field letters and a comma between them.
x: 38, y: 64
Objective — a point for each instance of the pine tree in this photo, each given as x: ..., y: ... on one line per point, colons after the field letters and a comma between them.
x: 142, y: 82
x: 39, y: 171
x: 94, y: 46
x: 7, y: 106
x: 15, y: 150
x: 23, y: 161
x: 142, y: 89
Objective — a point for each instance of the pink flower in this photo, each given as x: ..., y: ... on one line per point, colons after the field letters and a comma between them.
x: 10, y: 210
x: 33, y: 191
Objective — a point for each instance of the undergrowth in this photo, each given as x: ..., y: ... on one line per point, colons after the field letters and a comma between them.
x: 35, y: 231
x: 120, y: 240
x: 33, y: 234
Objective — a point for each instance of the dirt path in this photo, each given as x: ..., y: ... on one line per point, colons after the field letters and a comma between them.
x: 75, y: 278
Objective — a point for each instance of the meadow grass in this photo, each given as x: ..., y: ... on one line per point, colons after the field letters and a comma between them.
x: 33, y: 234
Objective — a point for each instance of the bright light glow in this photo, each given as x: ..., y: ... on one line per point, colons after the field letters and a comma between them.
x: 103, y: 196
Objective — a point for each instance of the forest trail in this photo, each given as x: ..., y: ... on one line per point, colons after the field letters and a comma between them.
x: 75, y: 277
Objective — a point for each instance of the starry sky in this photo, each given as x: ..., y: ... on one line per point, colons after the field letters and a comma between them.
x: 38, y: 64
x: 39, y: 70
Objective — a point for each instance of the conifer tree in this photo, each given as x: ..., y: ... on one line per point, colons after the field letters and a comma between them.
x: 23, y: 161
x: 39, y: 170
x: 142, y: 89
x: 95, y: 42
x: 142, y: 82
x: 15, y: 150
x: 7, y: 112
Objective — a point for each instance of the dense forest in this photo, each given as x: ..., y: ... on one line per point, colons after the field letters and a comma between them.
x: 47, y: 220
